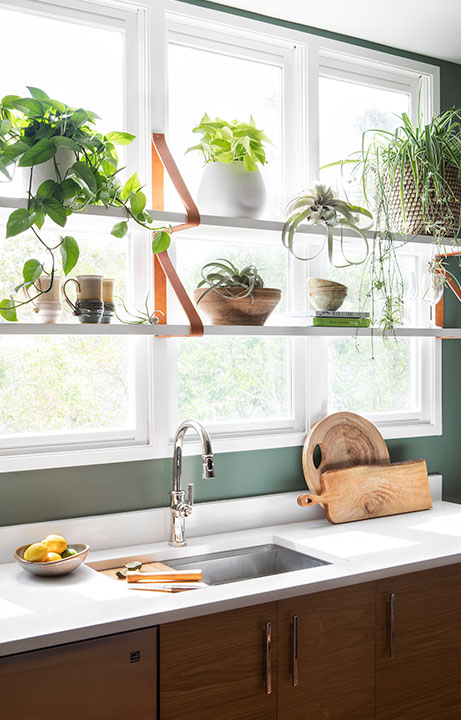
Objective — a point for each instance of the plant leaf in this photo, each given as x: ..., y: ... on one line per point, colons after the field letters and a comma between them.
x: 8, y: 311
x: 86, y: 174
x: 137, y: 202
x: 39, y: 153
x: 120, y: 229
x: 132, y: 185
x: 37, y: 93
x: 63, y: 141
x: 47, y: 188
x: 69, y: 253
x: 19, y: 221
x: 161, y: 241
x: 31, y: 271
x: 120, y: 138
x: 28, y: 106
x: 55, y: 211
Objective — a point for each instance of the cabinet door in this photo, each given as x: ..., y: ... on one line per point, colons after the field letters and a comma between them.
x: 418, y: 645
x: 220, y: 667
x: 327, y: 655
x: 111, y: 678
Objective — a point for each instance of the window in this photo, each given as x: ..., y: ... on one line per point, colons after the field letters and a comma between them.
x: 82, y: 400
x: 66, y: 397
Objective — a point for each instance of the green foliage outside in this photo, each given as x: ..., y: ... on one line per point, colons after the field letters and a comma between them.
x: 53, y: 383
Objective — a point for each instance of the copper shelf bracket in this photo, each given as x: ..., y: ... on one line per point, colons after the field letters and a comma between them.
x: 163, y: 267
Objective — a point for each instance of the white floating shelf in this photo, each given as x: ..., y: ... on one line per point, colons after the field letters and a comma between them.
x: 217, y: 330
x: 214, y: 221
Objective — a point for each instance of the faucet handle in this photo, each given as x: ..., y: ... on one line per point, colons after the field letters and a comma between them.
x: 190, y: 494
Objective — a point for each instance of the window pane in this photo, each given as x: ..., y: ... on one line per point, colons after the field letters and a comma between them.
x: 45, y: 61
x: 347, y: 109
x: 374, y: 380
x: 229, y: 87
x: 50, y: 384
x: 64, y: 384
x: 380, y: 376
x: 232, y: 379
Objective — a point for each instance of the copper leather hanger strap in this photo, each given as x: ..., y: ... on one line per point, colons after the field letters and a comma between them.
x: 192, y: 220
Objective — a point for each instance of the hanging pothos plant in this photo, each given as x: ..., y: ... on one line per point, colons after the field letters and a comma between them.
x: 77, y: 167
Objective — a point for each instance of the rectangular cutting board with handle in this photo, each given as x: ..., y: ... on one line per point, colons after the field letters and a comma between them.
x: 369, y: 491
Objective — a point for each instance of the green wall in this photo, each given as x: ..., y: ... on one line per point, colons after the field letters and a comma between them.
x: 72, y: 492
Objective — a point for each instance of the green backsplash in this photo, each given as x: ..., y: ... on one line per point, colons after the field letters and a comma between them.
x: 72, y: 492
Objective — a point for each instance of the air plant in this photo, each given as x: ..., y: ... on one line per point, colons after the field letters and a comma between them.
x: 147, y: 316
x: 221, y: 275
x: 321, y: 207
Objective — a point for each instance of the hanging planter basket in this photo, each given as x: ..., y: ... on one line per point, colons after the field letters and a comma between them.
x: 418, y: 220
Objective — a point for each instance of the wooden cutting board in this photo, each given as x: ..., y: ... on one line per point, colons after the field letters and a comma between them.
x: 369, y: 491
x: 153, y: 566
x: 343, y: 439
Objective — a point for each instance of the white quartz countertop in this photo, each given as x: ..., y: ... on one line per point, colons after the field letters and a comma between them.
x: 40, y: 612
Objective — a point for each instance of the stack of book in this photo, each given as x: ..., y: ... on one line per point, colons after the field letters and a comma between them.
x: 330, y: 318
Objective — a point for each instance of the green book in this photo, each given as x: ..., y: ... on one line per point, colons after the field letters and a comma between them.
x: 340, y: 322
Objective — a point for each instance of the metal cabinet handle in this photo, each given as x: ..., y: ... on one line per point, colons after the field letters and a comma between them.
x: 268, y: 658
x: 391, y: 625
x: 295, y: 650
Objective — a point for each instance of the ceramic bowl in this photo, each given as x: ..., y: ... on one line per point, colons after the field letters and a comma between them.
x: 326, y: 295
x: 316, y: 283
x: 55, y: 567
x: 227, y: 308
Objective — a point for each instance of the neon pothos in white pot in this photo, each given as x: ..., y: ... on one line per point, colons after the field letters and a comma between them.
x: 231, y: 183
x: 319, y: 206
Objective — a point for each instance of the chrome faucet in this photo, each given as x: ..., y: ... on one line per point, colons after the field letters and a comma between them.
x: 180, y: 509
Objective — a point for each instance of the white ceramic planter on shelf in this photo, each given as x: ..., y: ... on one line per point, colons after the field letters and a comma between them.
x: 64, y: 158
x: 231, y: 191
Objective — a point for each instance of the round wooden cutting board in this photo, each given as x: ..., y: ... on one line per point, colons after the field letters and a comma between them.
x: 344, y: 439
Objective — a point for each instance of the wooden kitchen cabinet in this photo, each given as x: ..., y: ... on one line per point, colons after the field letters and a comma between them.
x: 326, y: 668
x: 418, y: 646
x: 221, y: 666
x: 110, y: 678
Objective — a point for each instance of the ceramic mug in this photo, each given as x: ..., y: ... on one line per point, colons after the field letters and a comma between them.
x: 47, y: 304
x: 89, y: 305
x: 108, y: 299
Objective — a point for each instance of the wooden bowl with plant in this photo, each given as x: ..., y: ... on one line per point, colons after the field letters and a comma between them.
x: 229, y: 296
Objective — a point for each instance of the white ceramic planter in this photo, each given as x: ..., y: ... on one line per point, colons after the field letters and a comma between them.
x: 231, y: 191
x: 47, y: 171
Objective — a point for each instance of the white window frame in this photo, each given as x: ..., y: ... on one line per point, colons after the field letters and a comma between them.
x: 146, y: 61
x: 57, y: 449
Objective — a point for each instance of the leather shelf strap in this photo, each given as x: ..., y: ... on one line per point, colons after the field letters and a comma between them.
x: 192, y: 220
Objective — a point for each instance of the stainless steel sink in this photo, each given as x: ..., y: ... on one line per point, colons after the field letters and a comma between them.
x: 232, y: 565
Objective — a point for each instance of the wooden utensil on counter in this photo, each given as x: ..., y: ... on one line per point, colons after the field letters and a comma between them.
x: 160, y: 576
x: 369, y: 491
x: 344, y: 439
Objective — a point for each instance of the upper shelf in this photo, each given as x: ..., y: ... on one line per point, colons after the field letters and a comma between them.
x: 17, y: 328
x: 165, y: 218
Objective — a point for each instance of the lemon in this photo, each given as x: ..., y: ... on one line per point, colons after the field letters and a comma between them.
x: 55, y: 543
x: 52, y: 556
x: 37, y: 552
x: 68, y: 553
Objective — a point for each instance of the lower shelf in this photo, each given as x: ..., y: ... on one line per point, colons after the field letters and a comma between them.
x: 217, y: 330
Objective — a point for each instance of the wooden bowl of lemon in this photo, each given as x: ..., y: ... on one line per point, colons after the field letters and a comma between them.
x: 51, y: 557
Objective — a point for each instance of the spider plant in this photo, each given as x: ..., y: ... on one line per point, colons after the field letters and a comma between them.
x: 319, y: 206
x: 220, y: 275
x: 424, y: 159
